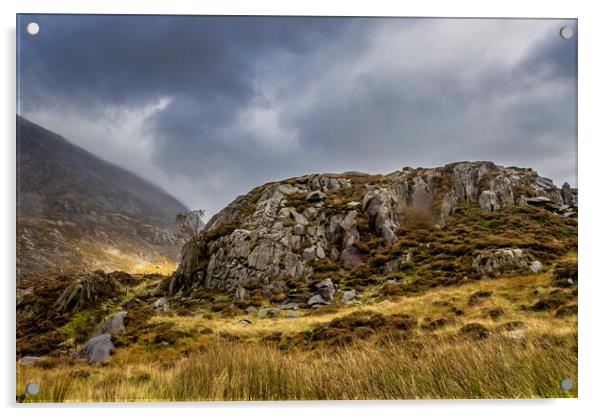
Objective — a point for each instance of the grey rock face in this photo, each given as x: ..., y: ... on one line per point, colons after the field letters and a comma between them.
x: 98, y: 349
x: 488, y: 201
x: 379, y: 204
x: 113, y: 324
x: 279, y: 230
x: 130, y: 303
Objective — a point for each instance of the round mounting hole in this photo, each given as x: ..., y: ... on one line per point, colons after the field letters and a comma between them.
x: 33, y: 28
x: 566, y: 32
x: 32, y: 388
x: 566, y: 384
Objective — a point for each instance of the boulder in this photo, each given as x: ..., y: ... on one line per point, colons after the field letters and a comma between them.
x: 348, y: 296
x: 567, y: 195
x: 161, y: 305
x: 292, y: 314
x: 495, y: 262
x: 539, y: 200
x: 244, y: 322
x: 299, y: 229
x: 326, y: 290
x: 268, y: 313
x: 29, y: 360
x: 309, y: 253
x: 316, y: 301
x: 320, y: 253
x: 114, y: 324
x: 98, y: 349
x: 535, y: 266
x: 351, y: 258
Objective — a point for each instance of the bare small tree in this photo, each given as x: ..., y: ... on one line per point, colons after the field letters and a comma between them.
x: 190, y: 224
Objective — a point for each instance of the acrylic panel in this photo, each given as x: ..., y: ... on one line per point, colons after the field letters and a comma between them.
x: 295, y: 208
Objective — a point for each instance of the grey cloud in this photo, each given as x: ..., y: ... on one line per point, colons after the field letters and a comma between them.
x: 255, y: 99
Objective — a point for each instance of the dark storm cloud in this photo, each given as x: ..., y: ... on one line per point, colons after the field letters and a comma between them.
x: 111, y: 59
x: 216, y: 105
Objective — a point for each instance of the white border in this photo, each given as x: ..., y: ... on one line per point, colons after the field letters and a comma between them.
x: 590, y: 68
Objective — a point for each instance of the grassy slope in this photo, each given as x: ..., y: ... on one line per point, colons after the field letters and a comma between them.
x: 215, y: 358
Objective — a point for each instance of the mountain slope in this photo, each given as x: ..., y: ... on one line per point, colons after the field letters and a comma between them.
x: 77, y: 211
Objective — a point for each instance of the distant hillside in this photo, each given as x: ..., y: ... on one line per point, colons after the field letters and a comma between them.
x: 77, y: 211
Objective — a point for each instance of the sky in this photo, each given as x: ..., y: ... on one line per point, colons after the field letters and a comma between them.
x: 207, y: 107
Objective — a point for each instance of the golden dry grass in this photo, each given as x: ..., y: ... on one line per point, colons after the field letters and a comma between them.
x: 510, y: 293
x: 423, y: 364
x: 492, y: 368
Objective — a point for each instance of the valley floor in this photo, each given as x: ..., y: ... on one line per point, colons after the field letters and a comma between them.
x: 516, y: 351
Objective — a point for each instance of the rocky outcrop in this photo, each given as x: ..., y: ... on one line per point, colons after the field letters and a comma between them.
x: 494, y: 262
x: 87, y: 290
x: 281, y: 230
x: 566, y: 209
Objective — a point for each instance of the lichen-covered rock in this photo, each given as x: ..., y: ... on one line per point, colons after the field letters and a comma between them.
x: 283, y: 230
x: 495, y: 262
